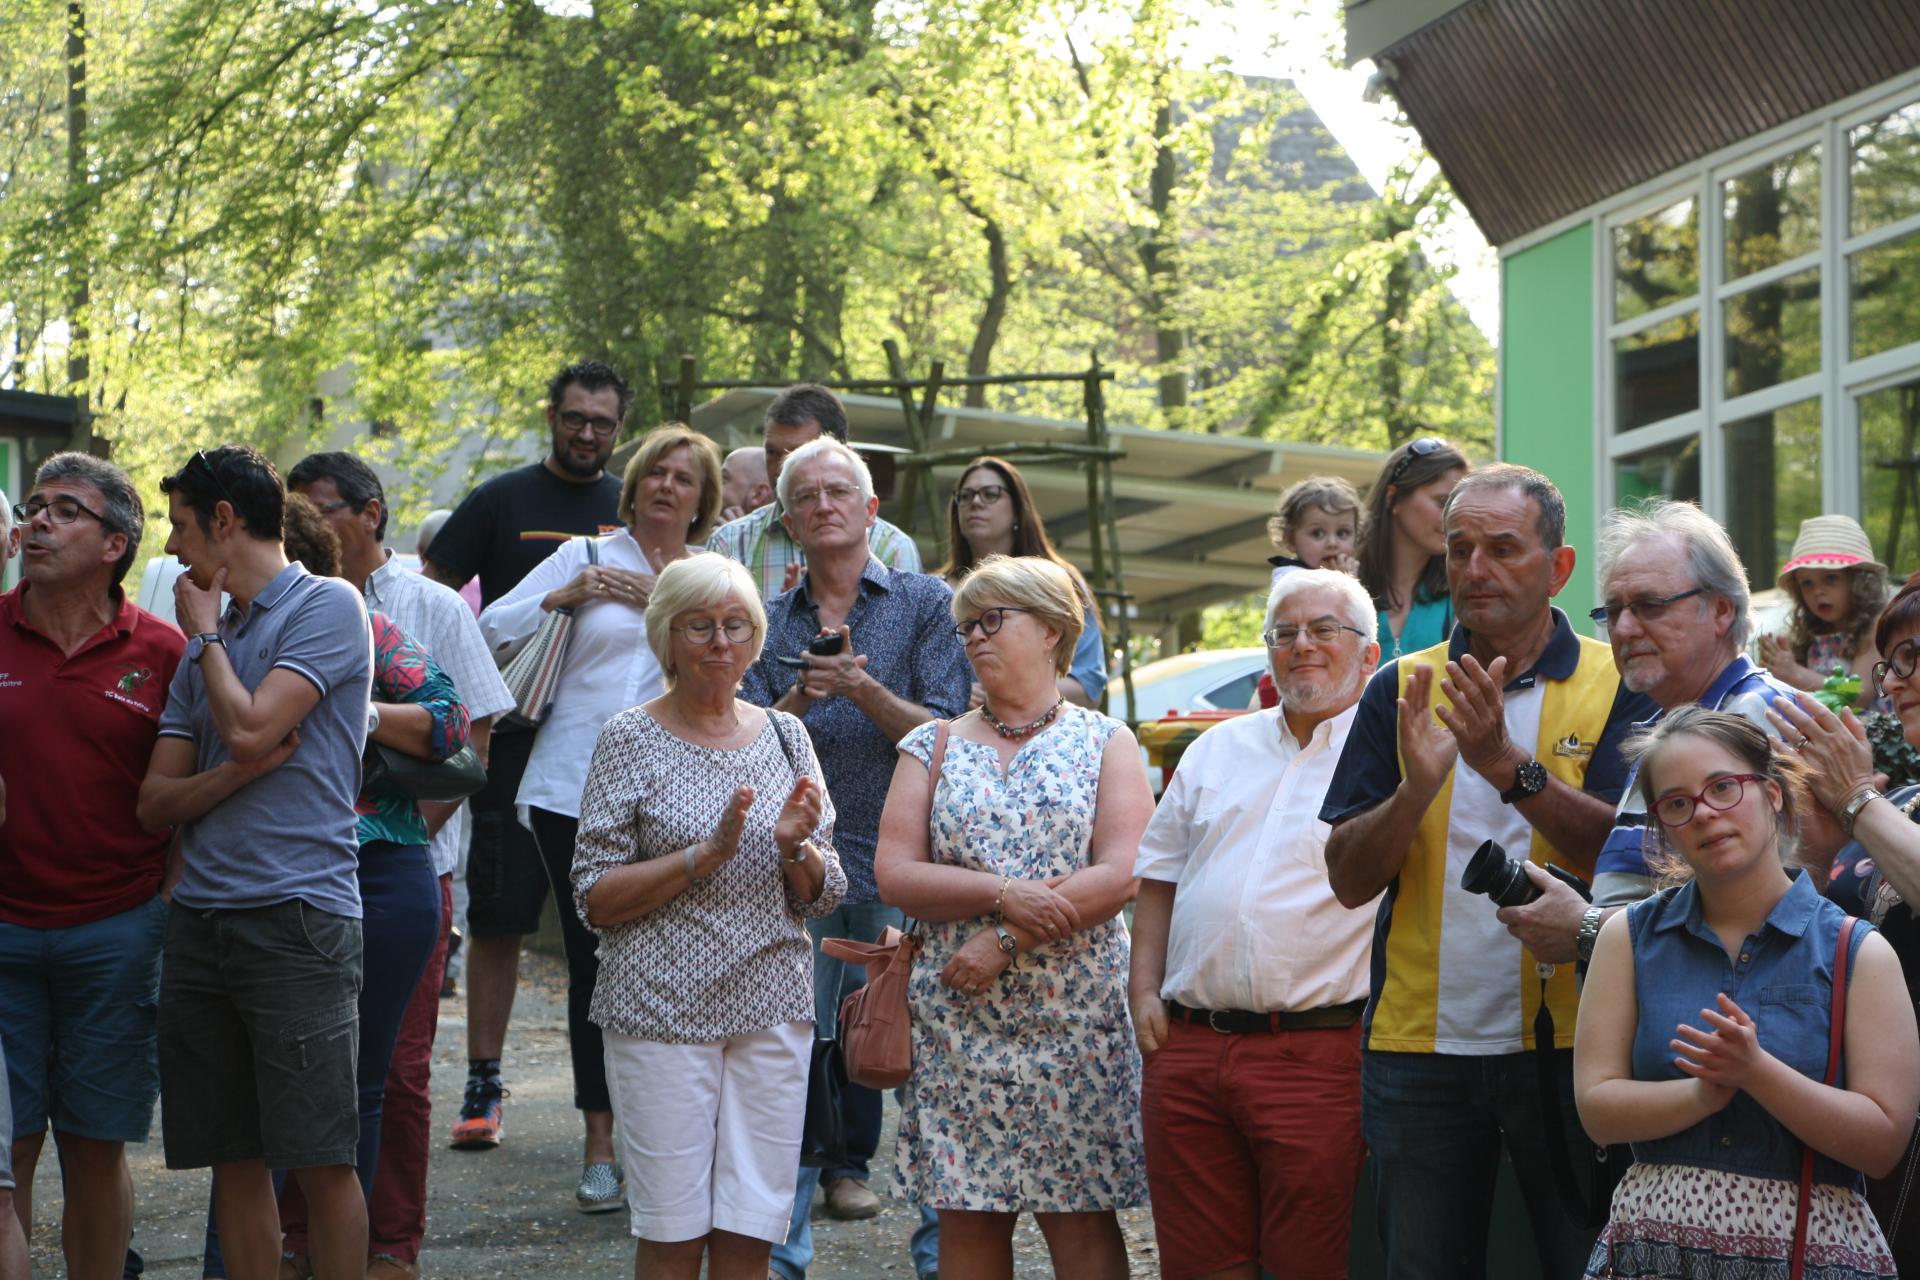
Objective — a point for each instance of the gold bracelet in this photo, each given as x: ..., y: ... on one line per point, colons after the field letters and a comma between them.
x: 999, y: 901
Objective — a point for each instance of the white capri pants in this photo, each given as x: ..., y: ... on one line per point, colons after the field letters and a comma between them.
x: 710, y: 1133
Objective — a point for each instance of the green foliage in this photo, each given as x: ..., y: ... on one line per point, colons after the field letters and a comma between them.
x: 1237, y: 624
x: 290, y: 215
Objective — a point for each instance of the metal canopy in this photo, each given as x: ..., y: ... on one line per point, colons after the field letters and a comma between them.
x: 1191, y: 509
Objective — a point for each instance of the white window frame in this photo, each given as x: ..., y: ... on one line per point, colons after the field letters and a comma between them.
x: 1840, y: 381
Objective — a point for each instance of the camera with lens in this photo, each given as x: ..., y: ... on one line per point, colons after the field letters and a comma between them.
x: 1491, y: 872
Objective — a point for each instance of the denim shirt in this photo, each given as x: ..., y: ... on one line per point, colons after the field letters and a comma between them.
x: 1783, y: 979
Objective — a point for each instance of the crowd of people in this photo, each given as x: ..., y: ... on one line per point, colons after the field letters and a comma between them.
x: 1473, y: 886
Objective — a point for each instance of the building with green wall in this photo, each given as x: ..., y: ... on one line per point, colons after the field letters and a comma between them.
x: 1708, y: 220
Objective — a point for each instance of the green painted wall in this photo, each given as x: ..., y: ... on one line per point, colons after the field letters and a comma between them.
x: 1546, y: 384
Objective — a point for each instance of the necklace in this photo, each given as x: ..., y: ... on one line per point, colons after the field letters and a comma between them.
x: 1017, y: 732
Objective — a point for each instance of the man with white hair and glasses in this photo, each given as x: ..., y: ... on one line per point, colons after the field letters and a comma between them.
x: 1248, y: 975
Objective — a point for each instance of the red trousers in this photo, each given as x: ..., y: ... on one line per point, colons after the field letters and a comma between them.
x: 1253, y: 1150
x: 397, y: 1215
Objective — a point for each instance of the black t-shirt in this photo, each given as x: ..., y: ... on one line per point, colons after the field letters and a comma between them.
x: 517, y: 519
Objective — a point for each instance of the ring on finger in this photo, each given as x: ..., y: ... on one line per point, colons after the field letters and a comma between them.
x: 1802, y: 744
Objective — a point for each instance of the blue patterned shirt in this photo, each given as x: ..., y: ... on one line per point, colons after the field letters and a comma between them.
x: 903, y: 624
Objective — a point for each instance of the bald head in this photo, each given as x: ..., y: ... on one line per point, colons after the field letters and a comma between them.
x: 743, y: 482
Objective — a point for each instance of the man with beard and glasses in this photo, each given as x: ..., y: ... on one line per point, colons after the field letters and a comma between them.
x: 499, y: 533
x: 1248, y: 975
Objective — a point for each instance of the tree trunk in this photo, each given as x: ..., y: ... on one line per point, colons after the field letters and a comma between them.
x: 79, y: 260
x: 987, y: 333
x: 1157, y: 256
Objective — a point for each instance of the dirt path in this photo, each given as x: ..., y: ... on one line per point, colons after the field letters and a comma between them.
x: 509, y: 1212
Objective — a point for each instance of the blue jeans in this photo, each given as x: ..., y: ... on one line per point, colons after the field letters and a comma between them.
x: 861, y: 1107
x: 1434, y: 1123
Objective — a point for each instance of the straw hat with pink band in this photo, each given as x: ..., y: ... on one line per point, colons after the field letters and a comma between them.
x: 1829, y: 542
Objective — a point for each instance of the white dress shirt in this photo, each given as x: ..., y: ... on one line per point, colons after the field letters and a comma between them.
x: 437, y: 619
x: 608, y: 667
x: 1255, y: 923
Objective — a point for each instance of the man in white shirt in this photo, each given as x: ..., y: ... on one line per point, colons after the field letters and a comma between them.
x: 1248, y: 976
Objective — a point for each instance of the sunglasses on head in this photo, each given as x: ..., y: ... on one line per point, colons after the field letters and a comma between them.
x: 1424, y: 447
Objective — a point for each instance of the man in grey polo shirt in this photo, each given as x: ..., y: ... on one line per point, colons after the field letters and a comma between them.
x: 349, y: 495
x: 258, y: 765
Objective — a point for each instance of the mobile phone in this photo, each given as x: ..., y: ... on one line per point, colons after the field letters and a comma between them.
x: 824, y: 645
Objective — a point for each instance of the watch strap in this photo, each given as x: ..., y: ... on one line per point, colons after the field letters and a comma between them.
x: 1530, y: 779
x: 1590, y: 923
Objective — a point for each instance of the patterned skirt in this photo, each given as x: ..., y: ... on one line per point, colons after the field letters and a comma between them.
x: 1683, y: 1223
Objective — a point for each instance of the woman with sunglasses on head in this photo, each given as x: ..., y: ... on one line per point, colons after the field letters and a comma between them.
x: 669, y: 497
x: 1875, y: 876
x: 1403, y: 562
x: 1016, y: 859
x: 1704, y: 1032
x: 992, y: 513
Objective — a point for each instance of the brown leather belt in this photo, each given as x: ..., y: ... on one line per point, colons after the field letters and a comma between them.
x: 1240, y: 1022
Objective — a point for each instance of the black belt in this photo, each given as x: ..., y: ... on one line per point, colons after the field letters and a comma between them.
x: 1240, y: 1022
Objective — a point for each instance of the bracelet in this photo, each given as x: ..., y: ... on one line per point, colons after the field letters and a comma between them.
x: 806, y: 852
x: 693, y: 881
x: 1000, y: 899
x: 1861, y: 797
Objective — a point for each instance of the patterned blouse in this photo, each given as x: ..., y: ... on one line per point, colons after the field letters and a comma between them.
x: 405, y: 672
x: 724, y: 958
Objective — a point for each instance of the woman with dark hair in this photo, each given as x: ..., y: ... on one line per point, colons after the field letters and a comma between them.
x: 1403, y: 562
x: 992, y: 513
x: 1876, y: 875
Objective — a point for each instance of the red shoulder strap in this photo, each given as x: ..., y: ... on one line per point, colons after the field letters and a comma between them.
x: 1836, y: 1033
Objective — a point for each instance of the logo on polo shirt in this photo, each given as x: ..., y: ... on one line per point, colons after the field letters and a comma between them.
x: 131, y: 680
x: 1572, y: 748
x: 8, y: 680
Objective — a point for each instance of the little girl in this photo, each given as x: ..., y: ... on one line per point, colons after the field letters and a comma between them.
x: 1316, y: 527
x: 1838, y: 590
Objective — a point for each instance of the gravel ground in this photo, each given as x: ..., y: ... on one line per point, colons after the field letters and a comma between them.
x: 509, y: 1212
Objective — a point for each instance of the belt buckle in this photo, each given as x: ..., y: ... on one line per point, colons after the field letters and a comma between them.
x: 1213, y: 1021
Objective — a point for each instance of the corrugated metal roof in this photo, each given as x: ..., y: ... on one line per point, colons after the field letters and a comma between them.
x: 1537, y: 108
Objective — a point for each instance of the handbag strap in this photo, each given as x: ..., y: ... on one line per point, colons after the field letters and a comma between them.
x: 1836, y: 1032
x: 939, y: 756
x: 593, y: 548
x: 786, y: 749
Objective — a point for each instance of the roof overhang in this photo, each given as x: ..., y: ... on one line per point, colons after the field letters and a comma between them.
x: 1536, y: 109
x: 1190, y: 510
x: 28, y: 413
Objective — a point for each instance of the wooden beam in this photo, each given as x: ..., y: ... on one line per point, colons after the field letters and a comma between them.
x: 1199, y: 545
x: 1074, y: 523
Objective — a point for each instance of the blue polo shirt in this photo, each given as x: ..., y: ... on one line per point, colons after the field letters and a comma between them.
x: 289, y: 833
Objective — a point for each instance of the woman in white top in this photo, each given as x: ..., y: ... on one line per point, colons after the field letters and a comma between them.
x: 668, y: 499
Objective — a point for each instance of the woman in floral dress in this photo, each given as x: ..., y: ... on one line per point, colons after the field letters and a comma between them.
x: 1025, y: 1092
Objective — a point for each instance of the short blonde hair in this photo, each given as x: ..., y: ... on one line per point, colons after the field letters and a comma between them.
x: 1033, y: 583
x: 660, y: 442
x: 701, y: 581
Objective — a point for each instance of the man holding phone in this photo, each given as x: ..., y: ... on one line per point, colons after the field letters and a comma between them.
x: 862, y: 654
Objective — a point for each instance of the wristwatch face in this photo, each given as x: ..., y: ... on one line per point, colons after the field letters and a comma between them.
x: 1007, y: 943
x: 1531, y: 779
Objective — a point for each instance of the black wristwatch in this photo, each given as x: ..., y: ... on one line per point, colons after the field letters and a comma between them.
x: 198, y: 644
x: 1530, y: 779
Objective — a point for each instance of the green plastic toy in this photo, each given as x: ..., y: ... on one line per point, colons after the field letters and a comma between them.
x: 1841, y: 689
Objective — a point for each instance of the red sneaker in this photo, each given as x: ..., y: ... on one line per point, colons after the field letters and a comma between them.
x: 482, y: 1117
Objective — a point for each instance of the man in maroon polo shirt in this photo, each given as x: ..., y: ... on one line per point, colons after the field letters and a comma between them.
x: 83, y: 678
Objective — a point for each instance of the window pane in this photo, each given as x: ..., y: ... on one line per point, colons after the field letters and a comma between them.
x: 1773, y: 333
x: 1885, y: 284
x: 1772, y: 213
x: 1773, y: 483
x: 1656, y: 373
x: 1890, y: 474
x: 1656, y: 260
x: 1671, y: 470
x: 1884, y: 175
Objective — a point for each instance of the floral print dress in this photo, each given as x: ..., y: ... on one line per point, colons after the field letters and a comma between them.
x: 1026, y: 1097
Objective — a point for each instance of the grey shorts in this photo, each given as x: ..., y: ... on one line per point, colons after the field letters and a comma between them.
x: 259, y: 1037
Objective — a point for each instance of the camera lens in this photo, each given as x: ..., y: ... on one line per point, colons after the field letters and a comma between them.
x: 1491, y: 872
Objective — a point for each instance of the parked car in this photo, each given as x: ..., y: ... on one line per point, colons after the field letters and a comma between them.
x: 1207, y: 680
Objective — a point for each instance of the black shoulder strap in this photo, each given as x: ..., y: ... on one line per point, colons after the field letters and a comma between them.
x: 593, y: 549
x: 786, y: 748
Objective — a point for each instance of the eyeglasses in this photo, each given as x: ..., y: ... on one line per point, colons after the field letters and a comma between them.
x: 201, y: 460
x: 1651, y: 610
x: 1325, y: 631
x: 986, y: 495
x: 736, y: 630
x: 989, y: 622
x: 834, y: 493
x: 574, y: 421
x: 1900, y: 662
x: 1721, y: 794
x: 60, y: 510
x: 328, y: 508
x: 1424, y: 447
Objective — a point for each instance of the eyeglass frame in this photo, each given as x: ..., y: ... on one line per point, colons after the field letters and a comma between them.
x: 1609, y: 616
x: 213, y: 474
x: 977, y: 496
x: 718, y: 629
x: 22, y: 515
x: 807, y: 499
x: 965, y: 627
x: 1266, y: 636
x: 1886, y: 666
x: 1424, y: 447
x: 590, y: 422
x: 1695, y: 801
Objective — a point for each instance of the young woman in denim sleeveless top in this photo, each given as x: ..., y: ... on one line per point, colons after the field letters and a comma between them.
x: 1704, y: 1026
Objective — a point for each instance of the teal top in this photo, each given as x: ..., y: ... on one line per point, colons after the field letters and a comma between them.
x: 1429, y: 621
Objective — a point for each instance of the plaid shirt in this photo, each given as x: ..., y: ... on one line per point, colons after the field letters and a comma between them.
x: 759, y: 541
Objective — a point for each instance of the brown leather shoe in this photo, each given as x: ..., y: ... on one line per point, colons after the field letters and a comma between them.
x: 849, y: 1200
x: 384, y: 1266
